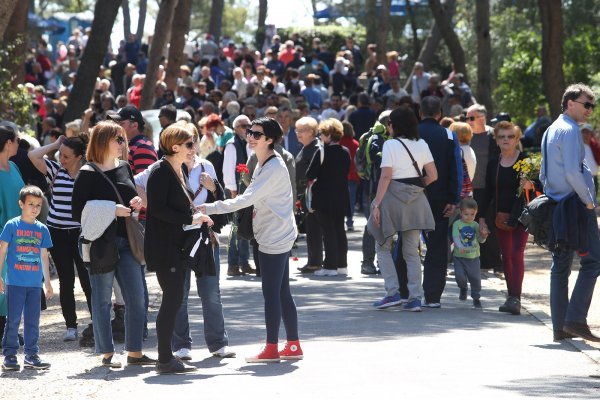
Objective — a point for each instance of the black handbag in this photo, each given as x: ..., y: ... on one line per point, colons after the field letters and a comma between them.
x: 244, y: 223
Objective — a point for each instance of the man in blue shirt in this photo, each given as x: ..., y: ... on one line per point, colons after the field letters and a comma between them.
x: 563, y: 172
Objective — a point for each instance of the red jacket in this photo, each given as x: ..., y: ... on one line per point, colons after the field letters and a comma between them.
x: 595, y: 146
x: 352, y: 145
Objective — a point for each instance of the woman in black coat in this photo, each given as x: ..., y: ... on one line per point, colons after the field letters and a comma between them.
x: 330, y: 196
x: 169, y: 210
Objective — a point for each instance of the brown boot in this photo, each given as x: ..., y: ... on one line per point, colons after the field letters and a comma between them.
x: 234, y: 270
x: 247, y: 269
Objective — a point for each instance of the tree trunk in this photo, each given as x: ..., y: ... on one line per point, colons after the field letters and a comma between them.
x: 126, y: 19
x: 371, y: 21
x: 162, y: 28
x: 17, y: 29
x: 383, y: 28
x: 179, y: 28
x: 6, y: 10
x: 216, y: 19
x: 432, y: 42
x: 260, y: 30
x: 413, y: 26
x: 484, y: 53
x: 142, y: 20
x: 105, y: 13
x: 553, y: 78
x: 450, y: 37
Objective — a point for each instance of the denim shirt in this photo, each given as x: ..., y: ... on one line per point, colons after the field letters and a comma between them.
x: 564, y: 155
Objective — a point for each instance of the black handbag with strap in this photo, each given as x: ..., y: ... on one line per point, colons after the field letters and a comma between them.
x: 415, y: 164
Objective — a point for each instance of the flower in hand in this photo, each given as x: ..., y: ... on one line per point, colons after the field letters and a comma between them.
x: 241, y: 169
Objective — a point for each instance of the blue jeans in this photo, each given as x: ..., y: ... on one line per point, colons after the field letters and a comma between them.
x: 352, y: 186
x: 22, y: 301
x: 368, y: 242
x: 215, y: 334
x: 128, y: 275
x: 577, y: 308
x: 239, y: 251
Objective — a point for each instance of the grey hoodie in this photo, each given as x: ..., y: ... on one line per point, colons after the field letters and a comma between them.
x: 270, y: 191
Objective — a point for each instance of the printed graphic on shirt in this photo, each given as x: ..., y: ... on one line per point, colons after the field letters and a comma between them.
x: 467, y: 236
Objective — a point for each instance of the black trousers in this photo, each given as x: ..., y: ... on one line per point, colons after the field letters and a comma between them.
x: 436, y: 260
x: 490, y: 250
x: 171, y: 281
x: 65, y: 253
x: 314, y: 239
x: 334, y: 240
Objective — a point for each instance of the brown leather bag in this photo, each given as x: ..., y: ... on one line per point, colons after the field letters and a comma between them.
x: 502, y: 221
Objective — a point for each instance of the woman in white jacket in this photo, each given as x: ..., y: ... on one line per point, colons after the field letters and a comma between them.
x: 274, y: 227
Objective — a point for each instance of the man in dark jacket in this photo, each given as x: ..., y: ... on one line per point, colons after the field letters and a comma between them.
x: 442, y: 195
x: 363, y: 118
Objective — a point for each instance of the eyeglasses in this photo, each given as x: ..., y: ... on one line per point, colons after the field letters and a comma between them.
x: 255, y: 134
x: 473, y: 118
x: 587, y: 105
x: 502, y: 137
x: 244, y: 126
x: 189, y: 145
x: 120, y: 140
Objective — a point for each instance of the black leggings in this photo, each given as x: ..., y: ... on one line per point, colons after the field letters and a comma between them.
x: 171, y: 281
x: 65, y: 253
x: 279, y: 303
x: 334, y: 240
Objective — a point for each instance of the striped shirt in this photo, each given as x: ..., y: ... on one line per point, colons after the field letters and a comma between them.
x: 60, y: 214
x: 141, y: 154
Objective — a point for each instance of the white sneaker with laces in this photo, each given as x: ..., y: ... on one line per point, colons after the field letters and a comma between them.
x: 70, y: 335
x: 325, y: 272
x: 184, y: 354
x: 342, y: 271
x: 224, y: 352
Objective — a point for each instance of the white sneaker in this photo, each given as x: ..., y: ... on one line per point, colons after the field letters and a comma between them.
x: 70, y: 335
x: 184, y: 354
x: 224, y: 352
x: 342, y: 271
x: 326, y: 272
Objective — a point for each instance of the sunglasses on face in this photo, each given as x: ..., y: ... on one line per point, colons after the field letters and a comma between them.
x: 502, y: 137
x: 120, y: 140
x: 472, y: 118
x: 244, y: 126
x: 255, y: 134
x: 189, y: 145
x: 587, y: 105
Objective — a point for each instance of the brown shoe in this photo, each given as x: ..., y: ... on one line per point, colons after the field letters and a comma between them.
x: 234, y: 271
x: 581, y: 330
x: 247, y: 269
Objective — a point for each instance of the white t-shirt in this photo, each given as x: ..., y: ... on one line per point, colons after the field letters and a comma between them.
x: 394, y: 155
x: 470, y: 159
x: 590, y: 160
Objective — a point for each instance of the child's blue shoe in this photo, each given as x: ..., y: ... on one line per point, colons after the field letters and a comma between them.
x: 10, y: 364
x: 34, y: 362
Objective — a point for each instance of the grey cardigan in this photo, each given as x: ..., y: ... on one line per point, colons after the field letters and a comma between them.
x: 404, y: 207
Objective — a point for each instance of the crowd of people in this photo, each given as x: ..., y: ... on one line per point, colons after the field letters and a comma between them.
x: 293, y: 140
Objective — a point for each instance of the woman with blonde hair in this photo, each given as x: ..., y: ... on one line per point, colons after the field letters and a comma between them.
x: 469, y: 161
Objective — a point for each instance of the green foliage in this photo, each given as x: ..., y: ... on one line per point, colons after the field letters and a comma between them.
x: 582, y: 54
x: 15, y: 102
x: 235, y: 14
x: 334, y: 35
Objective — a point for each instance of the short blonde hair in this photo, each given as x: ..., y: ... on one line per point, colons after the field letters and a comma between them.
x: 309, y: 123
x: 177, y: 133
x: 463, y: 131
x: 333, y: 128
x: 102, y: 134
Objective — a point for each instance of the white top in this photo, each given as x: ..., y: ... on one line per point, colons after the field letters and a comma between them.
x: 394, y: 155
x: 470, y: 159
x: 229, y: 164
x: 590, y: 160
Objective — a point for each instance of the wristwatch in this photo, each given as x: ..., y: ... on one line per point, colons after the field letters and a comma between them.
x: 374, y: 206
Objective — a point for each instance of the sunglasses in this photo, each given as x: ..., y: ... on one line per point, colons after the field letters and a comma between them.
x: 472, y: 118
x: 244, y: 126
x: 502, y: 137
x: 587, y: 105
x: 255, y: 134
x: 120, y: 140
x: 189, y: 145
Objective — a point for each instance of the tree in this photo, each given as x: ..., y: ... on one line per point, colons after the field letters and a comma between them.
x: 484, y: 53
x: 263, y: 6
x: 143, y: 6
x: 179, y: 30
x: 105, y: 13
x: 6, y: 10
x: 383, y: 29
x: 162, y: 29
x: 553, y: 77
x: 126, y: 19
x: 371, y: 21
x: 413, y: 26
x: 450, y: 37
x: 216, y: 19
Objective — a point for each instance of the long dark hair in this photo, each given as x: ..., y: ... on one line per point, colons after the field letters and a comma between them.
x: 6, y: 134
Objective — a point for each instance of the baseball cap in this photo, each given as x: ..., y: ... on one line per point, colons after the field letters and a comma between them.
x: 127, y: 113
x: 586, y: 127
x: 503, y: 116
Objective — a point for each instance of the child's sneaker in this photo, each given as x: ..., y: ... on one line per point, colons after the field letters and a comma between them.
x: 34, y: 362
x: 463, y: 295
x: 413, y: 305
x: 292, y: 351
x: 10, y: 364
x: 268, y: 354
x: 388, y: 301
x: 477, y: 303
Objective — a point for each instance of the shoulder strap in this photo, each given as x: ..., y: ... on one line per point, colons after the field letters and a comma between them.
x: 97, y: 169
x: 197, y: 192
x: 414, y: 163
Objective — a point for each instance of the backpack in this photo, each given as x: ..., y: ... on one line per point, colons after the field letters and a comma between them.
x: 362, y: 159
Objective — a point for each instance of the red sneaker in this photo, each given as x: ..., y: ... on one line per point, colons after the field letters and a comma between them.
x: 291, y: 351
x: 268, y: 354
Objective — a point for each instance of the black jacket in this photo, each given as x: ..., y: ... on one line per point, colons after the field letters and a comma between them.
x: 569, y: 225
x: 330, y: 191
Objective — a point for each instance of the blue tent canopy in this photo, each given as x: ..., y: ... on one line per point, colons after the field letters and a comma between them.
x: 398, y: 8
